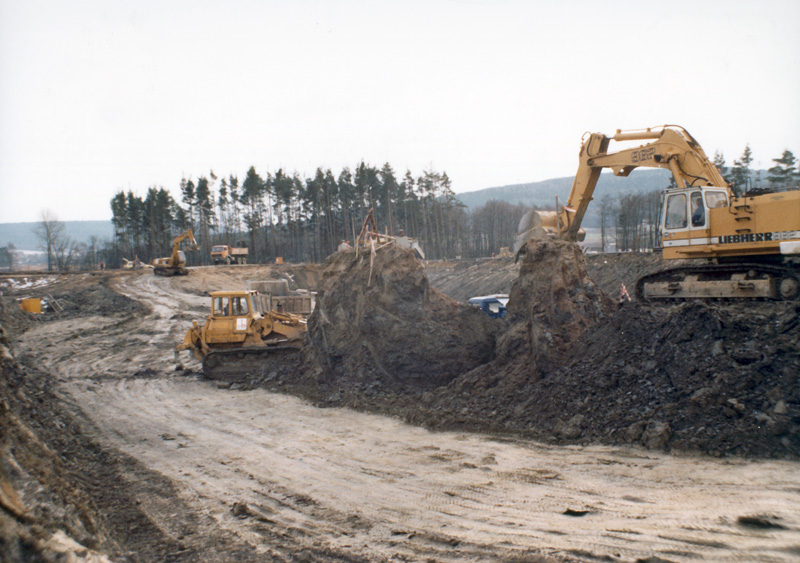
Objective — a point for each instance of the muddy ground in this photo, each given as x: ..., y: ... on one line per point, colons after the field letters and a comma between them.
x: 579, y: 431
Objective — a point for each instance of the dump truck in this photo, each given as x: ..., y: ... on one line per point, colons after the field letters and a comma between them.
x: 225, y: 254
x: 237, y: 335
x: 743, y: 246
x: 175, y: 263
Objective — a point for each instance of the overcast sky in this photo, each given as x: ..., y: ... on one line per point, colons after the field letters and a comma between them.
x: 98, y: 96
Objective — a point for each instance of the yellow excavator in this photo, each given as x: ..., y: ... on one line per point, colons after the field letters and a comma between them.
x: 745, y: 246
x: 236, y: 335
x: 175, y: 264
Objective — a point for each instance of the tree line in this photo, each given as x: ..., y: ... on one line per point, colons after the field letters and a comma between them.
x: 305, y: 219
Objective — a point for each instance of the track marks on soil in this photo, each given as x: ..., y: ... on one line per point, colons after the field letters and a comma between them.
x: 356, y: 487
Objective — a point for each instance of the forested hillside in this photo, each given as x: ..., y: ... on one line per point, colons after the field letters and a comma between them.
x: 542, y: 194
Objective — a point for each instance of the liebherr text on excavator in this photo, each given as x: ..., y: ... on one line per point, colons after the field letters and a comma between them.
x: 745, y: 246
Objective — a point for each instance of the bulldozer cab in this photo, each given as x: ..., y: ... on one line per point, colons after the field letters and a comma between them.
x: 231, y: 315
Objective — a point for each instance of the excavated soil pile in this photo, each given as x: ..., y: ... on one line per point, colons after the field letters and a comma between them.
x: 570, y: 365
x: 720, y: 378
x: 378, y: 323
x: 552, y: 302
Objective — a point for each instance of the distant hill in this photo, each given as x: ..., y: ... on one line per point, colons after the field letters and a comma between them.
x: 23, y: 236
x: 543, y: 194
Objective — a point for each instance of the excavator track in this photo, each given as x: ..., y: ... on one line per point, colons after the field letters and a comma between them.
x: 237, y: 364
x: 170, y: 271
x: 723, y: 281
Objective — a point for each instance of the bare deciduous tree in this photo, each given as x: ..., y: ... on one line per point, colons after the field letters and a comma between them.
x: 61, y: 250
x: 51, y: 232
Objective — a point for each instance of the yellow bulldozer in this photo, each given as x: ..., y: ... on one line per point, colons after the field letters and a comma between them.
x: 744, y: 246
x: 236, y: 335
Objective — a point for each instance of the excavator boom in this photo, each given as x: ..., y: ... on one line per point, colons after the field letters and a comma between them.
x: 174, y: 264
x: 671, y: 148
x: 701, y: 218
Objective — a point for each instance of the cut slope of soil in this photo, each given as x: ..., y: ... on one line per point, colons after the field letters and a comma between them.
x: 378, y: 322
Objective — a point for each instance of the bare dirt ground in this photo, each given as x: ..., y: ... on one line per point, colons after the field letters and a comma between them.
x: 170, y: 466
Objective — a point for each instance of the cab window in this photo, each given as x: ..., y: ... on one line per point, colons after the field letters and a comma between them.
x: 676, y: 212
x: 240, y: 307
x: 698, y: 210
x: 221, y: 307
x: 716, y: 199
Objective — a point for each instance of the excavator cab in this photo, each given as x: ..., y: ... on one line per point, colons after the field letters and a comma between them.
x: 687, y: 215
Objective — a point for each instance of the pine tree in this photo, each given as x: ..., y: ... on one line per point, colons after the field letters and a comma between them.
x: 719, y: 162
x: 783, y: 175
x: 252, y: 198
x: 740, y: 173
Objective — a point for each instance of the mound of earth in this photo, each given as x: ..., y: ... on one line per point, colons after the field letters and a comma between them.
x: 692, y: 377
x: 718, y: 378
x: 378, y: 322
x: 552, y: 302
x: 569, y: 366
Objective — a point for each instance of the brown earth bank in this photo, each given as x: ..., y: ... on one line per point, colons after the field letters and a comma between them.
x: 65, y: 497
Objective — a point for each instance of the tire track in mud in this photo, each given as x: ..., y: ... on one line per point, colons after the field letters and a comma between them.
x: 286, y: 477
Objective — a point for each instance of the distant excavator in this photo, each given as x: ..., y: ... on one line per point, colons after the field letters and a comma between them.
x: 749, y: 245
x: 175, y: 264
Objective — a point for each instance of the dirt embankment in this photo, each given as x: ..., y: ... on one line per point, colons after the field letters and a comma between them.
x: 568, y: 364
x: 46, y: 513
x: 63, y: 496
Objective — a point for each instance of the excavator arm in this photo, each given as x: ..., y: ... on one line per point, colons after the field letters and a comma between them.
x: 671, y: 147
x: 175, y: 259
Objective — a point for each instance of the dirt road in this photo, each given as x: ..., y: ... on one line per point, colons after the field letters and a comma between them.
x: 289, y: 478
